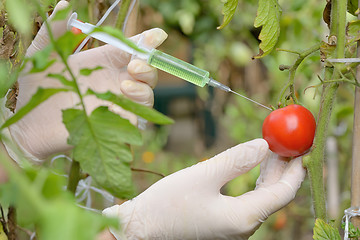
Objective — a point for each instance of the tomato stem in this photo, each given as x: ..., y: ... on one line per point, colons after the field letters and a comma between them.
x: 315, y: 161
x: 123, y: 12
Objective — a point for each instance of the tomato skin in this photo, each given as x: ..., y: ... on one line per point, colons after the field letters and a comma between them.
x: 289, y: 131
x: 76, y: 31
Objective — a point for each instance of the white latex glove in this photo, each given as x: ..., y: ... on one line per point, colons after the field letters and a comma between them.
x: 188, y: 204
x: 41, y: 132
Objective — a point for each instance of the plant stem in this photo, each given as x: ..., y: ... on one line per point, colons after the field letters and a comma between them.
x: 123, y: 13
x: 12, y: 235
x: 315, y: 160
x: 287, y: 50
x: 74, y: 176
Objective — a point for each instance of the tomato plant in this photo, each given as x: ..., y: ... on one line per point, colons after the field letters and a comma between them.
x: 289, y: 131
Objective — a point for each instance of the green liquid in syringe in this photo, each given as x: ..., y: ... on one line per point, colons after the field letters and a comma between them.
x: 178, y: 68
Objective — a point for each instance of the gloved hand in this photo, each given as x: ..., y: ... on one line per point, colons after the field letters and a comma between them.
x: 188, y: 204
x: 41, y: 132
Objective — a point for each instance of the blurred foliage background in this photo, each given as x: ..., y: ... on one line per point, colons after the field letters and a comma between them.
x: 209, y: 121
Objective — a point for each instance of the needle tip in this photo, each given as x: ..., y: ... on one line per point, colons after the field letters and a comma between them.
x: 251, y: 100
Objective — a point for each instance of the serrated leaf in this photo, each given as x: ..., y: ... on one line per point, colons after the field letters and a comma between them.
x: 324, y: 231
x: 99, y: 146
x: 268, y: 17
x: 62, y: 79
x: 19, y: 15
x: 119, y: 35
x: 40, y: 96
x: 228, y: 11
x: 88, y: 71
x: 145, y: 112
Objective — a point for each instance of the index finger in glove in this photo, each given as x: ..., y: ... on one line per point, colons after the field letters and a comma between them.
x: 149, y: 39
x: 269, y: 199
x: 58, y: 28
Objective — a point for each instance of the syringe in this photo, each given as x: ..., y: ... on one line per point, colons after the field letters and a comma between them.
x: 158, y: 59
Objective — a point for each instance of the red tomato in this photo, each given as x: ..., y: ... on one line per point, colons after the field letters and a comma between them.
x: 76, y: 31
x: 289, y: 131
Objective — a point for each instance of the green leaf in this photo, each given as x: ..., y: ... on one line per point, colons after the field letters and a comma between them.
x: 40, y: 200
x: 41, y: 60
x: 63, y: 220
x: 99, y: 145
x: 88, y: 71
x: 68, y: 43
x: 268, y: 17
x: 352, y: 7
x: 7, y: 79
x: 40, y: 96
x: 145, y: 112
x: 228, y: 12
x: 324, y: 231
x: 119, y: 35
x: 19, y: 13
x: 62, y: 79
x: 353, y: 31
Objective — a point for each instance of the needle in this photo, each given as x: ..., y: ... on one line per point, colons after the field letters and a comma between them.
x: 251, y: 100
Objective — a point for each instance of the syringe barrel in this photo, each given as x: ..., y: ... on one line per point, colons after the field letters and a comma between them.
x: 178, y: 68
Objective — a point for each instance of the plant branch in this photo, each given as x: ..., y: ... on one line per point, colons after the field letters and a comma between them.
x: 292, y: 71
x: 147, y: 171
x: 11, y: 223
x: 287, y: 50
